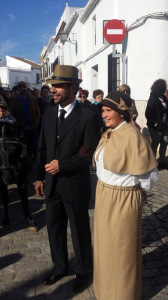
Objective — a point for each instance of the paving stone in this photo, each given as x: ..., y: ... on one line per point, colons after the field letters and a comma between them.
x: 12, y: 285
x: 31, y: 251
x: 18, y: 247
x: 154, y: 243
x: 154, y: 237
x: 4, y: 248
x: 5, y: 242
x: 163, y: 289
x: 147, y: 292
x: 159, y: 297
x: 19, y: 266
x: 158, y: 263
x: 149, y: 281
x: 163, y: 271
x: 162, y: 279
x: 17, y: 241
x: 154, y: 256
x: 148, y: 265
x: 24, y: 275
x: 35, y: 243
x: 7, y: 278
x: 162, y: 232
x: 30, y: 259
x: 42, y: 257
x: 40, y: 238
x: 150, y: 272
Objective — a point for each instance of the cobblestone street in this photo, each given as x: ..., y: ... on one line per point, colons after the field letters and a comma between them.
x: 25, y: 256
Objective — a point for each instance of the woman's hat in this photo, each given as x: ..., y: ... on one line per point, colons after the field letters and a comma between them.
x: 64, y: 74
x: 118, y: 102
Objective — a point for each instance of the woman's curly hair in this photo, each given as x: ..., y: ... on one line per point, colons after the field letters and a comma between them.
x: 159, y: 87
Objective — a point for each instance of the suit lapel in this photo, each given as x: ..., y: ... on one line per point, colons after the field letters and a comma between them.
x: 70, y: 121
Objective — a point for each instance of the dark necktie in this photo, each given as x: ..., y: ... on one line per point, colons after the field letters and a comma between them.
x: 61, y: 117
x: 60, y: 121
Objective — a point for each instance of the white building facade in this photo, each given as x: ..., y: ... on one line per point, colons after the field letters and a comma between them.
x: 53, y: 53
x: 16, y: 69
x: 138, y: 61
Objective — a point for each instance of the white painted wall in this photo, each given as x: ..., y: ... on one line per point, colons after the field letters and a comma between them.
x: 4, y: 75
x: 75, y: 42
x: 144, y: 49
x: 147, y: 48
x: 147, y: 45
x: 22, y: 76
x: 17, y: 64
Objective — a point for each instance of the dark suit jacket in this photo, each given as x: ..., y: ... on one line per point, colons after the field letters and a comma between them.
x: 155, y: 111
x: 79, y: 137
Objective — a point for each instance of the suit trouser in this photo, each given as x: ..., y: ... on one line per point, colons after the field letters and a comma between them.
x: 158, y: 138
x: 57, y: 215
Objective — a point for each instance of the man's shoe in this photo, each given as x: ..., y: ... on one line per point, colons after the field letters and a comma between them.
x: 31, y: 224
x: 82, y: 282
x: 53, y: 278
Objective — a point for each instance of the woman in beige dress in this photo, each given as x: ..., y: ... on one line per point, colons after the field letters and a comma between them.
x: 125, y: 167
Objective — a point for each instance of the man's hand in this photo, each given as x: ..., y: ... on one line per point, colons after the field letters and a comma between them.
x: 52, y: 167
x: 39, y: 188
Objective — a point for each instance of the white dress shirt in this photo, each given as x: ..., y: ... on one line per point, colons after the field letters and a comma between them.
x: 67, y: 108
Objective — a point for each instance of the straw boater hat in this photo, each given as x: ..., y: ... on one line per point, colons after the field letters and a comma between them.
x: 64, y: 74
x: 118, y: 102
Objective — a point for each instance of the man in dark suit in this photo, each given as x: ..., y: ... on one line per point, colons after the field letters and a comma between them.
x: 67, y: 141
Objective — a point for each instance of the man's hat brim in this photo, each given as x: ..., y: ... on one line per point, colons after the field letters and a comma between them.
x: 56, y: 81
x: 64, y: 74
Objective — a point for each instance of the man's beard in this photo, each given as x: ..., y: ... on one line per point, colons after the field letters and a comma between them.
x: 62, y: 98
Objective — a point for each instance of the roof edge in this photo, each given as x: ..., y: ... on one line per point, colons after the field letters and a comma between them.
x: 88, y: 9
x: 71, y: 21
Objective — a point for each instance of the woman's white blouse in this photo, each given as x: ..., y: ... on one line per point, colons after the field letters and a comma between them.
x: 146, y: 181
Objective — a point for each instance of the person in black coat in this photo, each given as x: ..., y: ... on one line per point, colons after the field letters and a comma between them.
x: 14, y: 166
x: 157, y: 119
x: 67, y: 141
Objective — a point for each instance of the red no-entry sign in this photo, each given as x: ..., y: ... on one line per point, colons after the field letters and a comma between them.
x: 114, y: 31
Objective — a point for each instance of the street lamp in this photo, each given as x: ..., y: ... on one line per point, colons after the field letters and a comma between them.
x: 64, y: 38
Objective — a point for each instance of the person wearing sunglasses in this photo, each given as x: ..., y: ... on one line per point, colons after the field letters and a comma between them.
x: 83, y: 98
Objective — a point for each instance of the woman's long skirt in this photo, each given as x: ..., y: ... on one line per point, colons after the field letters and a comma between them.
x: 117, y: 242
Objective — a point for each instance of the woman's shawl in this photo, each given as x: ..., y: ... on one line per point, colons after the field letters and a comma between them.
x: 126, y: 151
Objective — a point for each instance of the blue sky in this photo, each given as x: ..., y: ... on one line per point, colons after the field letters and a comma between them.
x: 25, y: 26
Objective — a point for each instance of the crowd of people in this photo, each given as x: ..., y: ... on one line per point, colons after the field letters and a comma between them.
x: 20, y: 120
x: 67, y: 133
